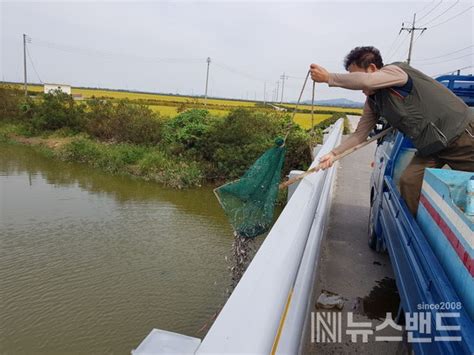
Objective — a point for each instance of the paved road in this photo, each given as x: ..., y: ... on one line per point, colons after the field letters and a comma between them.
x: 353, y: 120
x: 348, y: 267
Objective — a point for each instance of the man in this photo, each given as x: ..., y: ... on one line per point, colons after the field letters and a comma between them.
x: 439, y: 124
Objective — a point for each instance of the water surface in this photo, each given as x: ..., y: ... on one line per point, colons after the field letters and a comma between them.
x: 90, y: 263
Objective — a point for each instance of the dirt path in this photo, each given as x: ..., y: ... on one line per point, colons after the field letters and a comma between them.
x: 53, y: 143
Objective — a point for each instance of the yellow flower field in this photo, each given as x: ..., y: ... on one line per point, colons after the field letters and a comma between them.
x: 303, y: 119
x: 164, y: 110
x: 87, y: 93
x: 172, y: 111
x: 137, y: 96
x: 327, y: 108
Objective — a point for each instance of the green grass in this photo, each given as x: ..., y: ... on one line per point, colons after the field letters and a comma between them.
x: 149, y: 163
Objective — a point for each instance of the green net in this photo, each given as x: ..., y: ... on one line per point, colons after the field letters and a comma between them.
x: 249, y: 202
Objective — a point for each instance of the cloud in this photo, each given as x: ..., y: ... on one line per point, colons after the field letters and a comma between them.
x: 162, y: 46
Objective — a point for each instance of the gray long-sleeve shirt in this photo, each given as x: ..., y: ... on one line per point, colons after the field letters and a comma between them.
x: 387, y: 76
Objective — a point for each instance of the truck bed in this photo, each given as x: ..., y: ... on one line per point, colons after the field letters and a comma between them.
x: 421, y: 280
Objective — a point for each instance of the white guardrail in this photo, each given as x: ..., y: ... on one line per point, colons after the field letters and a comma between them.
x: 269, y: 309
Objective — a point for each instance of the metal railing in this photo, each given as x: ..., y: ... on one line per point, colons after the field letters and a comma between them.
x: 269, y: 308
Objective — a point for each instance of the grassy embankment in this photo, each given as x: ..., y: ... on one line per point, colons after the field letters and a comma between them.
x: 123, y: 136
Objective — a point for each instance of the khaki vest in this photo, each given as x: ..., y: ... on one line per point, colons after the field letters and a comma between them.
x: 424, y: 110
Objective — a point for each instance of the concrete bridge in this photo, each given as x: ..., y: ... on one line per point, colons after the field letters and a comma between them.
x: 319, y: 242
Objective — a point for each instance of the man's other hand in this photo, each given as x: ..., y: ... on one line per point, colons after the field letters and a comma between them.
x: 326, y: 161
x: 319, y: 74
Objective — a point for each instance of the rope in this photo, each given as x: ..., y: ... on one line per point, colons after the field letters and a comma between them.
x: 288, y: 128
x: 312, y: 110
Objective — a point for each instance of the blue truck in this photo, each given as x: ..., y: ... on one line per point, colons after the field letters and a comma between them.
x: 432, y: 252
x: 461, y: 85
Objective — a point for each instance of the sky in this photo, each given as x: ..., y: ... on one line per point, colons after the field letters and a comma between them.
x: 162, y: 46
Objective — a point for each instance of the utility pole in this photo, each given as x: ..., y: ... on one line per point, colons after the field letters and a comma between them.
x: 207, y: 79
x: 24, y: 65
x: 277, y: 90
x: 264, y: 91
x: 283, y: 77
x: 411, y: 30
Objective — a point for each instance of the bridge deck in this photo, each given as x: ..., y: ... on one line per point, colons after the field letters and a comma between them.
x: 348, y: 267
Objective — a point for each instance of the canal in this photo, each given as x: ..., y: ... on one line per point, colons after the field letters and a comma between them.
x: 90, y: 263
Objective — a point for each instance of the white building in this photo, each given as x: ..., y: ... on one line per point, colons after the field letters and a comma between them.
x: 51, y: 87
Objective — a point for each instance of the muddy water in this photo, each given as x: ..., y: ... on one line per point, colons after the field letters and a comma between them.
x: 383, y: 298
x: 90, y: 263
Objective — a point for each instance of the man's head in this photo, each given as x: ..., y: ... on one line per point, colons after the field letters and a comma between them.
x: 363, y: 59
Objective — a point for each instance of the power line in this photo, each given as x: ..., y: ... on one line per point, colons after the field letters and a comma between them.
x: 441, y: 14
x: 426, y: 6
x: 452, y: 71
x: 416, y: 39
x: 283, y: 78
x: 111, y: 55
x: 295, y: 77
x: 429, y: 12
x: 448, y: 60
x: 238, y: 72
x: 33, y: 65
x: 392, y: 52
x: 392, y: 46
x: 449, y: 19
x: 445, y: 55
x: 411, y: 30
x: 398, y: 48
x: 107, y: 54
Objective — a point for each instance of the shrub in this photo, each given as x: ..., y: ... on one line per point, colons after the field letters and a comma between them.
x: 347, y: 126
x: 111, y: 158
x: 187, y: 131
x: 192, y: 146
x: 123, y: 122
x: 81, y: 151
x: 237, y: 141
x: 57, y: 110
x: 158, y: 166
x: 151, y: 164
x: 298, y: 156
x: 98, y: 119
x: 12, y: 103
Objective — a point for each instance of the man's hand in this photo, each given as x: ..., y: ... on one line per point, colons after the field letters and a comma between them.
x: 326, y: 161
x: 319, y: 74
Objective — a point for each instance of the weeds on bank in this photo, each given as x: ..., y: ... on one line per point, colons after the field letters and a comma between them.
x: 121, y: 136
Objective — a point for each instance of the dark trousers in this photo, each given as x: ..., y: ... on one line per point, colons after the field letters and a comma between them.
x: 459, y: 155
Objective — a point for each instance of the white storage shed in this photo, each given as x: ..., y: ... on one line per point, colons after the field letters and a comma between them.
x: 52, y: 87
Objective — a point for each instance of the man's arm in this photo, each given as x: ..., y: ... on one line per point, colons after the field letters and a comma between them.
x: 364, y: 127
x: 388, y: 76
x: 366, y: 124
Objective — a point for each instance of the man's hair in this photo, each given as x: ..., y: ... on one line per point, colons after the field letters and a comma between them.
x: 363, y: 57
